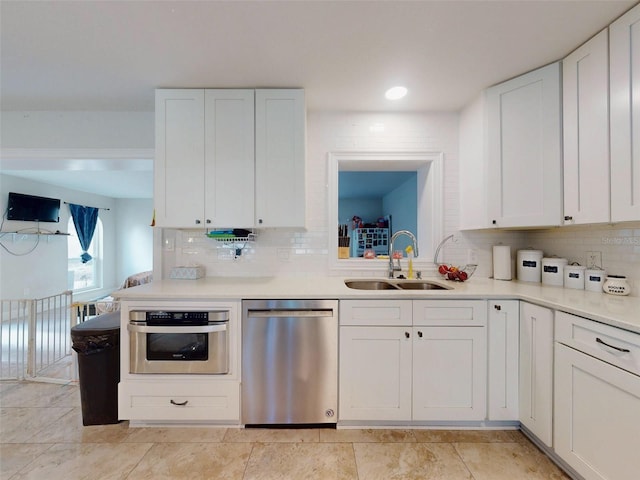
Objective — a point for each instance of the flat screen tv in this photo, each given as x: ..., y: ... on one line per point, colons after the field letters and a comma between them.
x: 32, y: 209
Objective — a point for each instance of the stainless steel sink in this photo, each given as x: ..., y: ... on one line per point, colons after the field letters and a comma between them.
x: 395, y: 285
x: 421, y: 285
x: 370, y: 285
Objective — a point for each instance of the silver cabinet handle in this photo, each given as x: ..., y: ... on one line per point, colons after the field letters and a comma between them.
x: 623, y: 350
x: 179, y: 404
x: 195, y: 329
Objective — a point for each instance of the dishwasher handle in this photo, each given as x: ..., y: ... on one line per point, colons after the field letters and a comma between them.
x: 289, y: 313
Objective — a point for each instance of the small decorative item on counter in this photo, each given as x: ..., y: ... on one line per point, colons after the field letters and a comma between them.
x: 369, y: 254
x: 457, y: 274
x: 616, y: 285
x: 397, y: 255
x: 187, y: 273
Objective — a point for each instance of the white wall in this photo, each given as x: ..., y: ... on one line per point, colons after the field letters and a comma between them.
x: 296, y: 252
x: 280, y: 252
x: 43, y: 272
x: 134, y: 239
x: 90, y: 130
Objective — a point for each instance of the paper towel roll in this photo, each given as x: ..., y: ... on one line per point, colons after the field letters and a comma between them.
x: 502, y: 262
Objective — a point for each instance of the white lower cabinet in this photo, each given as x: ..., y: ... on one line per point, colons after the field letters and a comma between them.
x: 375, y: 373
x: 185, y: 400
x: 536, y: 371
x: 597, y: 398
x: 449, y: 373
x: 503, y: 350
x: 399, y: 364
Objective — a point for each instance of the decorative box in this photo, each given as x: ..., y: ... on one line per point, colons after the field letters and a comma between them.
x: 187, y: 273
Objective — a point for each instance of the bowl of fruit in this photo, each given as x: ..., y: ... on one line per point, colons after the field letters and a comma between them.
x: 456, y: 274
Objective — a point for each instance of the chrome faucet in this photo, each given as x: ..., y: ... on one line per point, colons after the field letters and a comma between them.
x: 395, y: 268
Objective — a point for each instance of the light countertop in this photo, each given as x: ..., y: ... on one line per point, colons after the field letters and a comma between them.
x: 623, y: 312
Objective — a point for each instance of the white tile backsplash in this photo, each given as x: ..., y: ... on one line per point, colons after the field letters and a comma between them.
x: 305, y: 253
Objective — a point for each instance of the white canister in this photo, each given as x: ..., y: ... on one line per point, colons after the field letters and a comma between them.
x: 616, y: 285
x: 553, y: 271
x: 594, y: 279
x: 574, y: 276
x: 529, y: 267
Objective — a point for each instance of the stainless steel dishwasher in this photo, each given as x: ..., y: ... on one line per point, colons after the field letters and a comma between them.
x: 289, y: 362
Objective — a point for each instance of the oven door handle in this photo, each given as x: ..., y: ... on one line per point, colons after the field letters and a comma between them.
x: 195, y: 329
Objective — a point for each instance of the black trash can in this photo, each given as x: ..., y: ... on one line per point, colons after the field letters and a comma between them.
x: 97, y: 342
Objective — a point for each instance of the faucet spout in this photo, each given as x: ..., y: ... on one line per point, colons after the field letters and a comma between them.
x: 392, y: 267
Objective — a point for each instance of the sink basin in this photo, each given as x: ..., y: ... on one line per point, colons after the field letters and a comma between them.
x: 395, y: 285
x: 370, y: 285
x: 421, y: 285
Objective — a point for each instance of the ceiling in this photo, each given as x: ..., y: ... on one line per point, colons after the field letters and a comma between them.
x: 111, y: 55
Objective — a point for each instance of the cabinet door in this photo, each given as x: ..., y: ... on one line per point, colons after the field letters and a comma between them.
x: 375, y: 373
x: 179, y: 158
x: 585, y: 96
x: 536, y: 370
x: 229, y: 158
x: 280, y: 158
x: 504, y: 331
x: 473, y: 166
x: 597, y: 408
x: 524, y: 150
x: 624, y: 58
x: 449, y: 373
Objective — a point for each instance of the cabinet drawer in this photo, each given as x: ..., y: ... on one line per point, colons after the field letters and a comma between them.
x: 613, y: 345
x: 170, y: 401
x: 450, y: 313
x: 376, y: 312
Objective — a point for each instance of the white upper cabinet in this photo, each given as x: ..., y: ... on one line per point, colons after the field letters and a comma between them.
x: 473, y: 166
x: 624, y: 64
x: 586, y: 132
x: 229, y: 158
x: 280, y: 158
x: 524, y: 175
x: 179, y: 158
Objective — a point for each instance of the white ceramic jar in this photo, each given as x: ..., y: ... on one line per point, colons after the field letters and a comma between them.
x: 529, y: 267
x: 616, y: 285
x: 574, y: 276
x: 594, y: 279
x: 553, y: 271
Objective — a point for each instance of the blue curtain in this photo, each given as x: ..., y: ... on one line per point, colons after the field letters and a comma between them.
x: 85, y: 220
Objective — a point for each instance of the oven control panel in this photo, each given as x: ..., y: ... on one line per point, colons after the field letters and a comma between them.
x: 164, y: 317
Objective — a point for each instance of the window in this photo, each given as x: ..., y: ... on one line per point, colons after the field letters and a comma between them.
x: 84, y: 276
x: 428, y: 167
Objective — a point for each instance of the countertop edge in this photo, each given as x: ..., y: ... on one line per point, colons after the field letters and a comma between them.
x: 617, y: 311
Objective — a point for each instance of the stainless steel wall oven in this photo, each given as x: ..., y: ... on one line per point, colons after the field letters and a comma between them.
x: 179, y: 342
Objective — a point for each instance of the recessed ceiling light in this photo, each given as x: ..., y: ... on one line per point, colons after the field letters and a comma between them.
x: 396, y: 93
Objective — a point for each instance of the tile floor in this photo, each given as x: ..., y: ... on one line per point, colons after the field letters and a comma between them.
x: 42, y: 437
